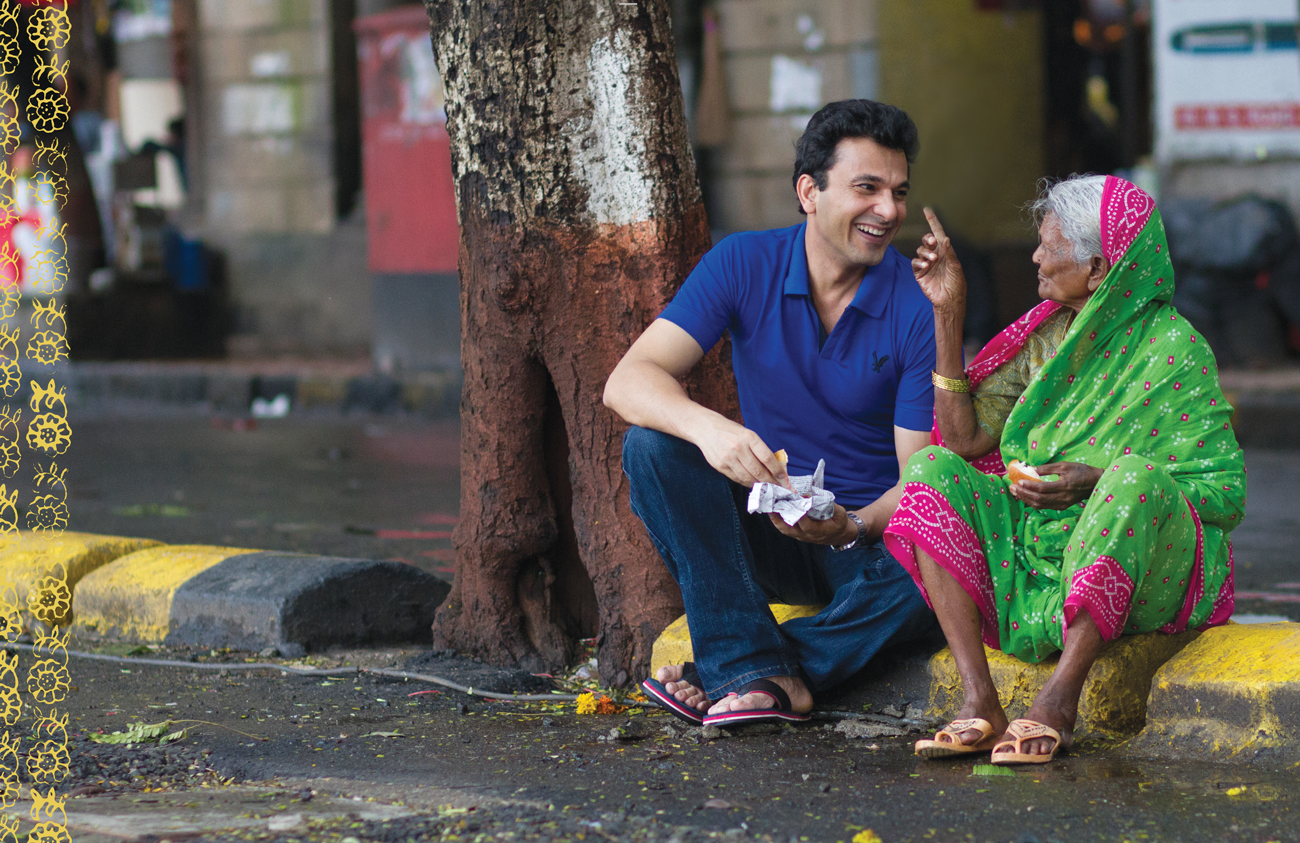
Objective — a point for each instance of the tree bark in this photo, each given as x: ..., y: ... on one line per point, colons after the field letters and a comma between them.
x: 579, y: 217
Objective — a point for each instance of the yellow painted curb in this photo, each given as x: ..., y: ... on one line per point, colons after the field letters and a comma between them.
x: 1235, y: 691
x: 673, y: 646
x: 131, y: 599
x: 26, y: 557
x: 1114, y: 699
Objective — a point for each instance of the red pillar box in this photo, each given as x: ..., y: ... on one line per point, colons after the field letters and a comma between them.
x: 410, y: 202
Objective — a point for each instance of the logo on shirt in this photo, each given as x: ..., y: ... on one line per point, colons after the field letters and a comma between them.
x: 877, y: 363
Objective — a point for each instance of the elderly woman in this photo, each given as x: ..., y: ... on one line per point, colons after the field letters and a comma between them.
x: 1107, y: 388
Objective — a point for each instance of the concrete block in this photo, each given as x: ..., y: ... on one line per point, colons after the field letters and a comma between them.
x: 673, y: 646
x: 27, y: 557
x: 749, y: 81
x: 765, y: 144
x: 758, y: 201
x: 796, y: 24
x: 245, y: 15
x: 130, y: 598
x: 297, y: 602
x: 230, y: 392
x: 311, y: 207
x: 1114, y: 699
x: 320, y: 391
x: 373, y: 394
x: 258, y: 161
x: 248, y: 210
x: 230, y: 56
x: 1234, y: 694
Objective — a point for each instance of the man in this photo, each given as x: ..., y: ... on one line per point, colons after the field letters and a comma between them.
x: 833, y: 348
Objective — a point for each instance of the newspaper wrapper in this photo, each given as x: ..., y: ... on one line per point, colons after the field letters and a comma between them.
x: 807, y: 498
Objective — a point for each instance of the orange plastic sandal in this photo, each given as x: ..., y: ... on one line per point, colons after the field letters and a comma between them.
x: 947, y: 742
x: 1026, y: 730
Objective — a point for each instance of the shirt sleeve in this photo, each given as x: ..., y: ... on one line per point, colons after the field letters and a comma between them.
x: 914, y: 403
x: 707, y: 301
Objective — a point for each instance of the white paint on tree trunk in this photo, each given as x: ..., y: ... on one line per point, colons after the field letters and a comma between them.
x: 608, y: 154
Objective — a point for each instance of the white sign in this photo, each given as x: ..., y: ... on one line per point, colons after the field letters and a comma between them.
x: 1227, y: 78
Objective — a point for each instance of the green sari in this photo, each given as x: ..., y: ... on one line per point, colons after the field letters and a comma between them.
x: 1133, y: 389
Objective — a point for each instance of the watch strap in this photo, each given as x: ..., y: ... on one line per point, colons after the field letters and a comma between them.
x: 858, y: 539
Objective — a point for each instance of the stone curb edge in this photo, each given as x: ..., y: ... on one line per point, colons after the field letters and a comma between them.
x: 1229, y: 693
x: 144, y: 591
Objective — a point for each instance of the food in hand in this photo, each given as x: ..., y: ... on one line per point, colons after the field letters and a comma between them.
x: 782, y: 457
x: 1017, y: 471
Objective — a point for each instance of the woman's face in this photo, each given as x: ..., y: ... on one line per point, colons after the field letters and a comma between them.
x: 1060, y: 279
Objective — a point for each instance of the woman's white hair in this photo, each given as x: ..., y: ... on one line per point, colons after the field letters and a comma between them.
x: 1076, y: 204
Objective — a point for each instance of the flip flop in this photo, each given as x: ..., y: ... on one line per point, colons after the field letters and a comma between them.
x: 947, y: 742
x: 658, y: 694
x: 781, y: 713
x: 1026, y: 730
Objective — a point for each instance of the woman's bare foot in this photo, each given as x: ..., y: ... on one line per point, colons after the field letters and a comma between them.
x: 670, y: 676
x: 801, y: 701
x: 985, y: 709
x: 1051, y: 708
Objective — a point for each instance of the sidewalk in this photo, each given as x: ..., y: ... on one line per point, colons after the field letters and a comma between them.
x: 231, y: 387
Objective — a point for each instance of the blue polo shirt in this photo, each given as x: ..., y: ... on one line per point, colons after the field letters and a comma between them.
x: 837, y: 401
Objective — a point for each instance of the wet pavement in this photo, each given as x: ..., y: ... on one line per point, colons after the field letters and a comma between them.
x: 464, y: 768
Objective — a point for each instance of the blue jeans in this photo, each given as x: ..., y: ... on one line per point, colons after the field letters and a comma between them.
x: 731, y: 564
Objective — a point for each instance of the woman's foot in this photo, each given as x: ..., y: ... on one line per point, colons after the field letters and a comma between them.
x: 670, y: 676
x: 801, y: 701
x: 1050, y: 710
x: 988, y: 710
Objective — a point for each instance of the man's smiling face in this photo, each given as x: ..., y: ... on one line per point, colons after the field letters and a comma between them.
x: 854, y: 219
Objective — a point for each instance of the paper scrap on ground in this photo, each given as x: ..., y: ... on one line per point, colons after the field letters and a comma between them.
x: 807, y: 498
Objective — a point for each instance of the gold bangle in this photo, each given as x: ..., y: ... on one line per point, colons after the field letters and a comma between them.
x: 950, y: 384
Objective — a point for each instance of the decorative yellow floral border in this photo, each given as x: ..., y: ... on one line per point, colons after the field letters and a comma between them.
x: 48, y: 433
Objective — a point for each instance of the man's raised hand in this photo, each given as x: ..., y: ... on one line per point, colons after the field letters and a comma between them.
x: 937, y: 270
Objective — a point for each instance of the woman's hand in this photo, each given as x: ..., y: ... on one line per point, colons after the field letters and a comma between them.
x: 938, y: 271
x: 1076, y: 482
x: 834, y: 530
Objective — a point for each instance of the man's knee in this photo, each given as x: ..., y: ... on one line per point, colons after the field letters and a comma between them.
x: 643, y: 448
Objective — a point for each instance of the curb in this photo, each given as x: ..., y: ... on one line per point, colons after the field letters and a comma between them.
x: 1234, y: 693
x: 26, y: 558
x: 1229, y: 693
x: 226, y: 388
x: 1114, y: 699
x: 132, y: 598
x: 143, y: 591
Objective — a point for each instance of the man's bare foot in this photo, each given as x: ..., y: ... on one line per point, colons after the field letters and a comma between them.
x: 801, y: 701
x: 670, y: 676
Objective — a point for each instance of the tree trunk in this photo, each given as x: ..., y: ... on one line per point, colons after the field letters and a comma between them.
x: 579, y: 217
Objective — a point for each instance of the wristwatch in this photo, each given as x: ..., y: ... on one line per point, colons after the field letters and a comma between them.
x: 860, y: 538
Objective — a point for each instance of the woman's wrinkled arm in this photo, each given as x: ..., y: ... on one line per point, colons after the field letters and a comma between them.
x: 940, y: 277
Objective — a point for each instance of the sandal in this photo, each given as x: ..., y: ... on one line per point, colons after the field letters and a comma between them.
x: 658, y: 694
x: 781, y: 713
x: 1026, y: 730
x: 947, y: 742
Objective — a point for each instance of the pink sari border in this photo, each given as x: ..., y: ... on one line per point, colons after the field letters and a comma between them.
x: 1125, y: 209
x: 925, y: 519
x: 1226, y: 603
x: 1105, y: 590
x: 1196, y: 588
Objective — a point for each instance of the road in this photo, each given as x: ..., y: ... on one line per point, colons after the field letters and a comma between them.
x: 388, y: 489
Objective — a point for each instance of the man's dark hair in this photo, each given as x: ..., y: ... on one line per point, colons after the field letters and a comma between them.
x: 887, y: 125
